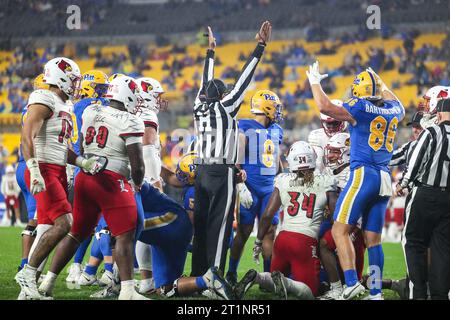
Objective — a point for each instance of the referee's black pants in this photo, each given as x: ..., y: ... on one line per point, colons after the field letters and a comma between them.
x: 215, y: 195
x: 428, y: 226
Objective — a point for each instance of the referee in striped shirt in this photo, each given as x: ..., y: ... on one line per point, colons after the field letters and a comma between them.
x: 215, y: 122
x: 428, y: 222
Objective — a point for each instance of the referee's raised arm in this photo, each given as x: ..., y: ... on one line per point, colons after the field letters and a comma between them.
x: 208, y: 69
x: 233, y: 99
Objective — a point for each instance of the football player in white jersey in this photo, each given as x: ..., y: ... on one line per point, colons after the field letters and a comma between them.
x: 319, y: 138
x: 151, y: 102
x: 46, y: 130
x: 114, y: 133
x: 303, y: 194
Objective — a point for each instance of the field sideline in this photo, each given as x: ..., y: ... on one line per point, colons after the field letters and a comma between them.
x: 10, y: 248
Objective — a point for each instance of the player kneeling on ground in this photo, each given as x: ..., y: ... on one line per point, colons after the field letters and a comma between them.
x: 303, y: 194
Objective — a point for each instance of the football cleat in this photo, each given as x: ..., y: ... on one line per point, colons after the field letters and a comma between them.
x: 331, y: 295
x: 75, y: 271
x: 247, y: 281
x: 111, y: 291
x: 210, y: 294
x: 131, y: 295
x: 352, y: 292
x: 87, y: 279
x: 401, y: 287
x: 279, y: 285
x: 231, y: 278
x: 22, y: 296
x: 218, y: 284
x: 106, y: 278
x: 378, y: 296
x: 147, y: 286
x: 27, y: 283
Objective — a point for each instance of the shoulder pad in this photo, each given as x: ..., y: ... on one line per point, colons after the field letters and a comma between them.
x: 43, y: 97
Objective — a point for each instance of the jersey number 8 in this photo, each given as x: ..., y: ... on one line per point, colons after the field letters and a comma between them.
x: 378, y: 137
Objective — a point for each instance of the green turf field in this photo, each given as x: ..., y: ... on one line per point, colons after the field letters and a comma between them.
x: 10, y: 250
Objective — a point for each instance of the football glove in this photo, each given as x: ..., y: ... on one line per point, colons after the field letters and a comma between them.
x: 245, y: 195
x: 92, y: 165
x: 257, y: 250
x: 314, y: 75
x: 37, y: 183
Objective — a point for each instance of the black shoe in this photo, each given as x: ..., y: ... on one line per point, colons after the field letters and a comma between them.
x: 219, y: 285
x: 280, y: 287
x: 241, y: 288
x: 401, y: 287
x: 231, y: 278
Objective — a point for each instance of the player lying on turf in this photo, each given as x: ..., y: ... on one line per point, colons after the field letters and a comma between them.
x: 373, y: 113
x: 303, y: 194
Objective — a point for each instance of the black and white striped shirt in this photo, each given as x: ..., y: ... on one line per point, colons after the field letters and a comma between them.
x: 429, y: 162
x: 400, y: 155
x: 215, y: 123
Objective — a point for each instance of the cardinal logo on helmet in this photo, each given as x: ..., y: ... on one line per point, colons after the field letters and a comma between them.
x: 133, y: 86
x: 64, y: 65
x: 146, y: 87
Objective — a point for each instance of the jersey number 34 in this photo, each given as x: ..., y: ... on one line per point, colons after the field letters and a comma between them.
x: 378, y: 137
x: 308, y: 204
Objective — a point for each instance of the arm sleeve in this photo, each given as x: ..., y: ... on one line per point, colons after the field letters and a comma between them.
x: 208, y: 73
x: 152, y: 162
x: 232, y: 101
x: 418, y: 158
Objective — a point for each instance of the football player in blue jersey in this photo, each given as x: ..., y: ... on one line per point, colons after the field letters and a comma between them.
x: 260, y: 139
x: 94, y: 84
x: 373, y: 113
x: 29, y: 233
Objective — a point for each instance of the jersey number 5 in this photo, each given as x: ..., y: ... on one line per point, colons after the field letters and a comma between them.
x: 308, y: 204
x: 378, y: 137
x: 101, y: 137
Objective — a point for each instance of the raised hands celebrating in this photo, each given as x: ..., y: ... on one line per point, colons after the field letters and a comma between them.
x: 263, y: 35
x: 211, y: 39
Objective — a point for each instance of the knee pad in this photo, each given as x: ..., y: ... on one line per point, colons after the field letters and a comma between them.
x: 29, y: 231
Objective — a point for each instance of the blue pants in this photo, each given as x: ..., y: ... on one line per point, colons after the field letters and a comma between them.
x: 29, y: 199
x: 247, y: 216
x: 169, y: 231
x: 360, y: 198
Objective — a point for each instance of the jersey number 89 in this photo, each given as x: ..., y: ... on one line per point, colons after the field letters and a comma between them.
x: 378, y: 137
x: 102, y: 136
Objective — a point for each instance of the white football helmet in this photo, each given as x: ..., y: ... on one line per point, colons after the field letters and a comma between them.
x: 124, y: 89
x: 433, y: 95
x: 337, y: 151
x: 63, y: 73
x: 151, y: 93
x: 301, y: 156
x: 330, y: 125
